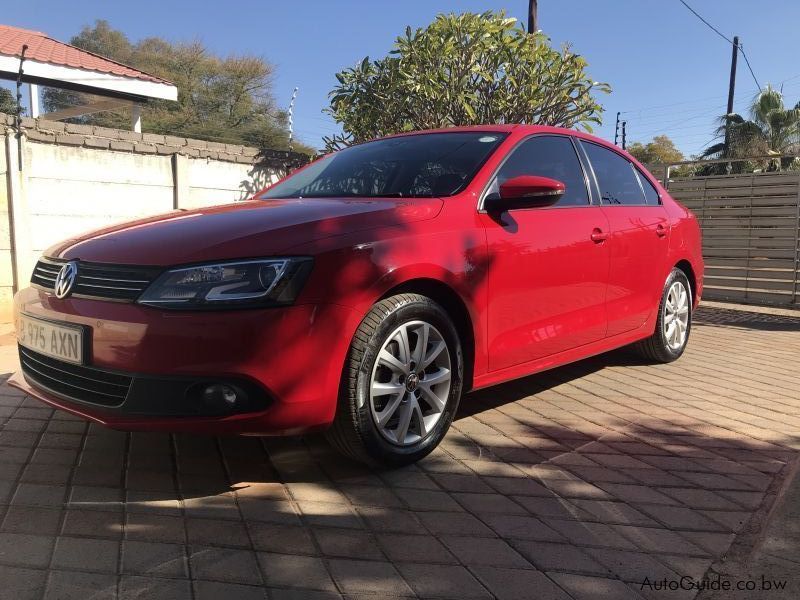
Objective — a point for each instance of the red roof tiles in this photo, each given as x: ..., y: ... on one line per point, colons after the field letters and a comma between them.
x: 45, y: 49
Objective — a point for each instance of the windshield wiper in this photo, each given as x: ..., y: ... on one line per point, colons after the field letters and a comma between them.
x: 352, y: 195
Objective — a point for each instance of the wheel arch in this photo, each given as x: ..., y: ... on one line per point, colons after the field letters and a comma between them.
x: 455, y: 306
x: 685, y: 266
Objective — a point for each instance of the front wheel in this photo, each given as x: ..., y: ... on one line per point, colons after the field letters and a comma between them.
x: 402, y: 383
x: 674, y: 321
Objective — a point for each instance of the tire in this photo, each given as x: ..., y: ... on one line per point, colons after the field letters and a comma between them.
x: 659, y: 347
x: 382, y: 385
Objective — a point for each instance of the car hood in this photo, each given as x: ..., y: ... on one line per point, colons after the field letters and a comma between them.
x: 244, y: 229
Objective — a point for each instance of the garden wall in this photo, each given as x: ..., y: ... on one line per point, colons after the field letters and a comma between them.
x: 75, y: 178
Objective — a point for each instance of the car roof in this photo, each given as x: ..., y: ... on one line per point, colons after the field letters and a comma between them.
x: 519, y: 128
x: 522, y: 130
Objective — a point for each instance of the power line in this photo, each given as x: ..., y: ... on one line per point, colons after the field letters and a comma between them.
x: 714, y: 29
x: 653, y: 124
x: 703, y: 147
x: 788, y: 79
x: 320, y: 118
x: 676, y: 118
x: 662, y: 121
x: 675, y: 136
x: 677, y: 115
x: 724, y: 37
x: 657, y: 106
x: 647, y: 111
x: 644, y: 117
x: 696, y: 103
x: 667, y: 129
x: 749, y: 68
x: 691, y: 105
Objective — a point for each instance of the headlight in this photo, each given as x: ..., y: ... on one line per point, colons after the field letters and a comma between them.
x: 266, y: 282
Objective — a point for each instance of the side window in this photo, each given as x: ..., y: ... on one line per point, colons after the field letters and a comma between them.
x: 615, y: 176
x: 650, y: 193
x: 548, y: 156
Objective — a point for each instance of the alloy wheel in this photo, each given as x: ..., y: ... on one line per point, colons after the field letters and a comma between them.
x: 676, y: 316
x: 410, y: 383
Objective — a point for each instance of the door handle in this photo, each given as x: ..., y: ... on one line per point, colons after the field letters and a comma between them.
x: 661, y: 231
x: 599, y: 236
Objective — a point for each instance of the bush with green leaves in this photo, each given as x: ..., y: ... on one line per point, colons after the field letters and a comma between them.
x: 464, y: 69
x: 8, y: 102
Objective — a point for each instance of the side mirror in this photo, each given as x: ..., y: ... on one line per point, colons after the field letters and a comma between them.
x: 526, y: 191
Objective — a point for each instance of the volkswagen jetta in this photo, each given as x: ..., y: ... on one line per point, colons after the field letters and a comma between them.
x: 364, y: 294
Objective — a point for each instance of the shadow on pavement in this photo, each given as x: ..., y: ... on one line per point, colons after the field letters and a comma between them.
x: 582, y: 482
x: 749, y: 320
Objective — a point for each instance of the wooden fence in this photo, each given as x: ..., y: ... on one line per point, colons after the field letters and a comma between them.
x: 751, y: 234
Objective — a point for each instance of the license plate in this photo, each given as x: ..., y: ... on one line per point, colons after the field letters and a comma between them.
x: 56, y: 340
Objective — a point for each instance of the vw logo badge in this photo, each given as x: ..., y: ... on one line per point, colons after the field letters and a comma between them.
x: 66, y: 279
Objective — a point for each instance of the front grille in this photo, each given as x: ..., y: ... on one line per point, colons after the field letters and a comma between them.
x: 97, y: 280
x: 74, y: 382
x: 44, y: 274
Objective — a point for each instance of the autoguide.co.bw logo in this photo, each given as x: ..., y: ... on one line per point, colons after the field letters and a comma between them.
x: 717, y: 583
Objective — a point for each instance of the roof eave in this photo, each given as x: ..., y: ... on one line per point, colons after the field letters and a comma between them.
x: 95, y: 82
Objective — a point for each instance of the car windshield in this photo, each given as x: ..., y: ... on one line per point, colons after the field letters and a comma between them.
x: 412, y: 166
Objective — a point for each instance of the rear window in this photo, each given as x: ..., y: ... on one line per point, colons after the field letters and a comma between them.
x: 650, y: 192
x: 619, y: 184
x: 412, y: 166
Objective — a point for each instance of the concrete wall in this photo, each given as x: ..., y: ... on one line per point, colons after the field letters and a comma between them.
x: 75, y: 178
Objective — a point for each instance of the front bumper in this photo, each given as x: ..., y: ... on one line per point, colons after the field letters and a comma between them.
x: 289, y: 360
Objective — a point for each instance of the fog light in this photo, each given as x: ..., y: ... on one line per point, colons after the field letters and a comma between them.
x: 219, y: 394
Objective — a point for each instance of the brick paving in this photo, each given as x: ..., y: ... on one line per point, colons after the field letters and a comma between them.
x: 576, y: 483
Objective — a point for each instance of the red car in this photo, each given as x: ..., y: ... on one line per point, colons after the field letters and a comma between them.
x: 365, y: 293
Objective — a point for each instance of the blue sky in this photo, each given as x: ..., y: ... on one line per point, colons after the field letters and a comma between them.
x: 668, y: 71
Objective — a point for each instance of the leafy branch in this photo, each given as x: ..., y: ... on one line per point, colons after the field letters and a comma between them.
x: 464, y: 69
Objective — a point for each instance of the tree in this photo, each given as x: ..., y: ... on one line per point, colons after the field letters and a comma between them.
x: 771, y: 129
x: 464, y: 69
x: 219, y: 99
x: 661, y: 150
x: 8, y: 102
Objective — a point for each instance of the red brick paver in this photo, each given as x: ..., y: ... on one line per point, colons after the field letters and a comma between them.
x: 577, y: 483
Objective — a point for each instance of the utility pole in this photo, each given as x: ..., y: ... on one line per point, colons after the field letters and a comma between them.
x: 623, y: 134
x: 616, y: 130
x: 731, y: 87
x: 18, y: 116
x: 533, y: 21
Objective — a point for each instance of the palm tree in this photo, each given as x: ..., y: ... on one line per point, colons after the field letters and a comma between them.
x: 771, y: 129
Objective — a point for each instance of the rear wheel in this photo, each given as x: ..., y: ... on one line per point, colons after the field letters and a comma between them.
x: 674, y: 321
x: 402, y: 382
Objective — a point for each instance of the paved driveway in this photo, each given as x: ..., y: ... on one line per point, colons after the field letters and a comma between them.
x: 583, y: 482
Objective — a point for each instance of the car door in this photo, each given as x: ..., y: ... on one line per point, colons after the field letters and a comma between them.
x: 639, y: 240
x: 547, y: 276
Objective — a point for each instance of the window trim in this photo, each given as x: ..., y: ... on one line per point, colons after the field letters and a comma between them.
x: 597, y: 197
x: 642, y: 178
x: 636, y: 174
x: 639, y: 181
x: 589, y: 189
